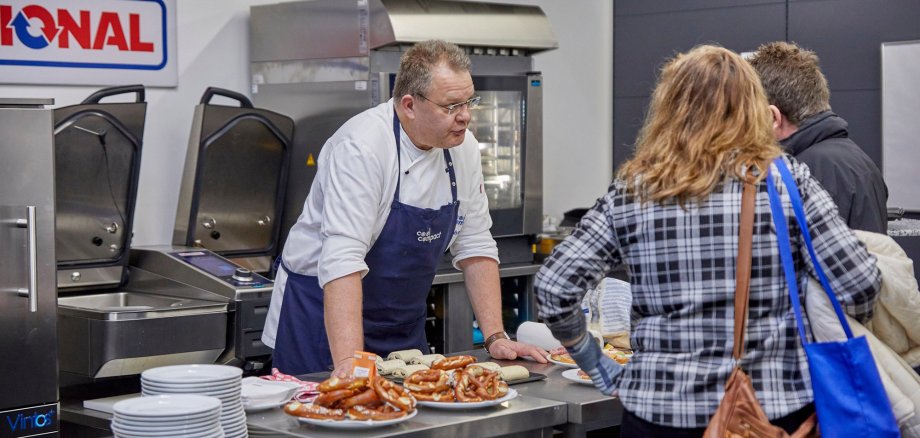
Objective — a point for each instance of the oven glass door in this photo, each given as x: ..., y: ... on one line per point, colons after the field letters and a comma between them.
x: 499, y: 124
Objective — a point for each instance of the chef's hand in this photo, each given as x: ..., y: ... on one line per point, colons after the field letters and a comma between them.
x: 344, y: 367
x: 597, y: 365
x: 508, y: 349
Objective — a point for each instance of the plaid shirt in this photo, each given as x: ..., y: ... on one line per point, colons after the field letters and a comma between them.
x: 682, y: 270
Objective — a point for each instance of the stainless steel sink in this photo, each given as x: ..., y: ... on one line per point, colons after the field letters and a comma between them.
x: 133, y: 305
x: 119, y: 333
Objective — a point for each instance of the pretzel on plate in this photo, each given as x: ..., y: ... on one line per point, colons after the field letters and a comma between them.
x: 318, y: 412
x: 385, y: 412
x: 356, y: 399
x: 452, y: 362
x: 427, y: 381
x: 394, y: 394
x: 367, y: 398
x: 334, y: 383
x: 465, y: 389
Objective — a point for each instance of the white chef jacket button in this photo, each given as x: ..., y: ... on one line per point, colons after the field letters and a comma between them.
x: 450, y: 163
x: 453, y: 183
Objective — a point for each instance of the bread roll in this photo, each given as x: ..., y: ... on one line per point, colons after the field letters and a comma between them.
x: 385, y: 368
x: 404, y: 355
x: 425, y: 359
x: 514, y: 372
x: 619, y: 340
x: 491, y: 366
x: 405, y: 371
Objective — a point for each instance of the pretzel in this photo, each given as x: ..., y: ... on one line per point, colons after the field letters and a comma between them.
x: 386, y: 412
x: 333, y: 383
x: 495, y: 387
x: 332, y: 398
x: 564, y: 358
x: 298, y: 409
x: 474, y: 370
x: 394, y: 394
x: 367, y: 398
x: 465, y: 391
x: 446, y: 396
x: 477, y: 386
x: 452, y: 362
x: 427, y: 381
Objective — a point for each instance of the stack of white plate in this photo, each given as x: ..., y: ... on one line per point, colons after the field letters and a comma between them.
x: 220, y: 381
x: 179, y: 415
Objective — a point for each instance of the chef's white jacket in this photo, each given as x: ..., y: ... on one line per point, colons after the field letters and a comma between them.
x: 350, y: 200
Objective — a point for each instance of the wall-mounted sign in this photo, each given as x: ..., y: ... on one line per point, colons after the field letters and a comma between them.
x: 89, y: 42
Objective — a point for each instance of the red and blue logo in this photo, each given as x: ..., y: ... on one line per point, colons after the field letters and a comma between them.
x: 119, y: 34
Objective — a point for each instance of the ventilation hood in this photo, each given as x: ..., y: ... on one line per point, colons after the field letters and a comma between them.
x: 343, y: 28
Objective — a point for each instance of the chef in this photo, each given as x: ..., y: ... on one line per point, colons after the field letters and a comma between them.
x: 396, y: 186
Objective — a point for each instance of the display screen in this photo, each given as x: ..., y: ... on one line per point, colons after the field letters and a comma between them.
x: 211, y: 264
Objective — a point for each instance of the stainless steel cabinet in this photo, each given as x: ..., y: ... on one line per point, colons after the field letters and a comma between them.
x: 28, y: 298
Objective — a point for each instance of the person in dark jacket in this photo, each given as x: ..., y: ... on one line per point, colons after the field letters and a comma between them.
x: 807, y: 128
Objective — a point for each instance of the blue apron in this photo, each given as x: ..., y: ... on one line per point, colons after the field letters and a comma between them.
x: 401, y: 264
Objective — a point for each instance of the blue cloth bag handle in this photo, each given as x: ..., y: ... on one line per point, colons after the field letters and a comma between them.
x: 849, y: 397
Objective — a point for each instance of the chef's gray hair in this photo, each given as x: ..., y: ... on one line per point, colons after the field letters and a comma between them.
x: 414, y: 76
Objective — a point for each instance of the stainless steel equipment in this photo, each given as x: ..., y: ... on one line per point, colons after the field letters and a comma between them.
x: 234, y: 182
x: 203, y: 274
x: 324, y: 61
x: 28, y: 334
x: 106, y: 328
x: 97, y: 161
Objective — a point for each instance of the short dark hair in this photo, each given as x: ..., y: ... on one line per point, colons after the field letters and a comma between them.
x: 792, y: 80
x: 415, y: 66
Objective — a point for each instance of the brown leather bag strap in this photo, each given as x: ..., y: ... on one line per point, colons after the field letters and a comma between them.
x: 743, y: 268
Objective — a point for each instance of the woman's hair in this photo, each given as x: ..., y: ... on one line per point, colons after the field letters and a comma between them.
x: 708, y: 119
x: 415, y: 66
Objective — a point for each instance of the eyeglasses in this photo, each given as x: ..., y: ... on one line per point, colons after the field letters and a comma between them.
x: 471, y: 104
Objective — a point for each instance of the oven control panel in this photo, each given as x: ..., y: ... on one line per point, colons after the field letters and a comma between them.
x: 223, y: 269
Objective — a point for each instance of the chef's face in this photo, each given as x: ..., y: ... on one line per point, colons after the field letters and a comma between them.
x: 437, y: 128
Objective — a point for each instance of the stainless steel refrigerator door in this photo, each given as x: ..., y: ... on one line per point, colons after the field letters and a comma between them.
x: 28, y: 298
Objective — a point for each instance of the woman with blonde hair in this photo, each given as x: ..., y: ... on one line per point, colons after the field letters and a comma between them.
x: 672, y: 216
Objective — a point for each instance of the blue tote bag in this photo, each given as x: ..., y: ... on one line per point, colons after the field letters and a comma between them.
x: 849, y: 397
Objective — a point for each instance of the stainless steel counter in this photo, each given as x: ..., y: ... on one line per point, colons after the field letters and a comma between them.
x: 542, y: 406
x: 586, y: 408
x: 523, y: 416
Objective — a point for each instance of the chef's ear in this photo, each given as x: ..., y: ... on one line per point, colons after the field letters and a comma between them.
x: 407, y: 104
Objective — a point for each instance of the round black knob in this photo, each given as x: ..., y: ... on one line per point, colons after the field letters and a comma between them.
x: 242, y: 275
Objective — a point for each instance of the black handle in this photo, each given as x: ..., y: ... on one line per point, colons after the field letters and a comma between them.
x: 211, y: 91
x: 112, y: 91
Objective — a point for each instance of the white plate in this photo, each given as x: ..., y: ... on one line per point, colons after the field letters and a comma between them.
x: 192, y: 374
x: 469, y: 405
x: 175, y: 430
x: 205, y: 431
x: 256, y: 407
x: 354, y: 424
x: 573, y: 376
x: 172, y: 421
x: 228, y: 385
x: 201, y: 416
x: 177, y: 405
x: 268, y: 390
x: 219, y: 394
x: 567, y: 365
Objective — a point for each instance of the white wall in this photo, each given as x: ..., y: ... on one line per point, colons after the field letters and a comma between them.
x: 213, y: 50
